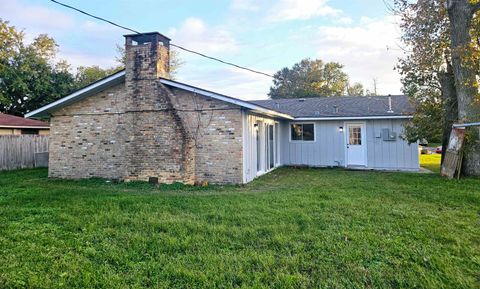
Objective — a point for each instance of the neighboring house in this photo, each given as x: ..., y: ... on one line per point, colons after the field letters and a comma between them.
x: 136, y: 125
x: 14, y: 125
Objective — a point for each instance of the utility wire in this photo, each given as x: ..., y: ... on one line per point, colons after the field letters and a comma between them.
x: 222, y: 61
x: 172, y: 44
x: 96, y: 17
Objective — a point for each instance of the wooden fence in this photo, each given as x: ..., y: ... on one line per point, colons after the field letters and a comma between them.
x: 23, y: 151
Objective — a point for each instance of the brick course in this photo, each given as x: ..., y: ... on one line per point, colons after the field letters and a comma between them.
x: 90, y: 139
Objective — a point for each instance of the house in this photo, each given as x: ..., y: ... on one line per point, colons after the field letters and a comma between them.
x: 14, y: 125
x: 138, y: 125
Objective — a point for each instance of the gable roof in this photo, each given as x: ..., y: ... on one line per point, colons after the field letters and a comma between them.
x: 344, y: 107
x: 12, y: 121
x: 119, y: 77
x: 246, y: 104
x: 320, y: 108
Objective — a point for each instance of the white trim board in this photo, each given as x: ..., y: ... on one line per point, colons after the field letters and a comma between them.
x: 354, y: 117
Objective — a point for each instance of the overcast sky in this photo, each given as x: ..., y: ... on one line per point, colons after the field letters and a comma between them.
x: 263, y: 35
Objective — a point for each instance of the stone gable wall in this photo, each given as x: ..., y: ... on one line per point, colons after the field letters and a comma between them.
x: 87, y: 139
x: 106, y: 136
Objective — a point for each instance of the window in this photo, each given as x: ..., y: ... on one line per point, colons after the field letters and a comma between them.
x: 302, y: 132
x: 355, y: 136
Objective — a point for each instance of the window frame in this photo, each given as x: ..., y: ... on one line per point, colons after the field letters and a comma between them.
x: 302, y: 141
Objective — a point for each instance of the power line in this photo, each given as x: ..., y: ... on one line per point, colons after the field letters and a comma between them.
x: 222, y: 61
x: 172, y: 44
x: 96, y: 17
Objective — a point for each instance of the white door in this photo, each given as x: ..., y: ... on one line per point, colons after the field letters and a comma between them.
x: 355, y: 148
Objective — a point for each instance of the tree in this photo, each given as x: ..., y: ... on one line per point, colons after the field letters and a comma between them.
x: 425, y: 69
x: 431, y: 64
x: 465, y: 63
x: 355, y: 89
x: 311, y: 78
x: 426, y: 123
x: 86, y: 75
x: 29, y: 76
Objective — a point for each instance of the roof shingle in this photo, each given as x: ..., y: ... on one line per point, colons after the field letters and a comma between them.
x: 340, y: 106
x: 7, y: 120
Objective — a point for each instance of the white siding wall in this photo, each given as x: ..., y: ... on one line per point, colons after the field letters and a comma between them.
x: 329, y: 146
x: 396, y: 154
x: 326, y: 150
x: 250, y: 144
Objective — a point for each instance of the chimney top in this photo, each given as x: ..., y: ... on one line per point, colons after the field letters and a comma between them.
x: 147, y: 37
x: 147, y: 55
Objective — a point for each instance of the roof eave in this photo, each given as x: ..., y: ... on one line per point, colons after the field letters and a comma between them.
x: 24, y: 126
x: 354, y: 117
x: 118, y: 77
x: 236, y: 101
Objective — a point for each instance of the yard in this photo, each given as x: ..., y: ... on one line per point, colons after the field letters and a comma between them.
x: 431, y: 162
x: 292, y: 228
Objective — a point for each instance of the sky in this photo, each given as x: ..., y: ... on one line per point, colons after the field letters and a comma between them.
x: 263, y: 35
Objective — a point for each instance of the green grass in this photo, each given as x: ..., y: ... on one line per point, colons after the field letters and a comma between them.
x: 431, y: 162
x: 294, y: 228
x: 434, y: 145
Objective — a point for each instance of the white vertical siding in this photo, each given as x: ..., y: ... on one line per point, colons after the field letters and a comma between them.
x: 329, y: 146
x: 250, y: 144
x: 326, y: 150
x: 396, y: 154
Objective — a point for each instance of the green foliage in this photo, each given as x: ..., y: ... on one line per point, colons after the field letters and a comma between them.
x: 312, y: 78
x: 294, y: 228
x: 425, y: 35
x: 428, y: 119
x: 426, y: 124
x: 29, y: 77
x: 88, y: 74
x: 356, y: 89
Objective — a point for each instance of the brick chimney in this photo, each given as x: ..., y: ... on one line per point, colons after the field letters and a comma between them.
x: 148, y: 55
x: 158, y: 145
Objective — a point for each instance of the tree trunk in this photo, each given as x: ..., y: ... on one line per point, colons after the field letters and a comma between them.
x: 460, y: 14
x: 449, y: 95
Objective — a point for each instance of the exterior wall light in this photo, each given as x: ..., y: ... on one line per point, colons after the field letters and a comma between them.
x: 340, y: 129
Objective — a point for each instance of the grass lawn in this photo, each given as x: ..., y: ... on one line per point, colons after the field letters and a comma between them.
x: 294, y: 228
x: 434, y: 145
x: 431, y: 162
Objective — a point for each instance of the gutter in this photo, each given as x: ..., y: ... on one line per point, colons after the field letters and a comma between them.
x: 24, y: 126
x: 354, y: 117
